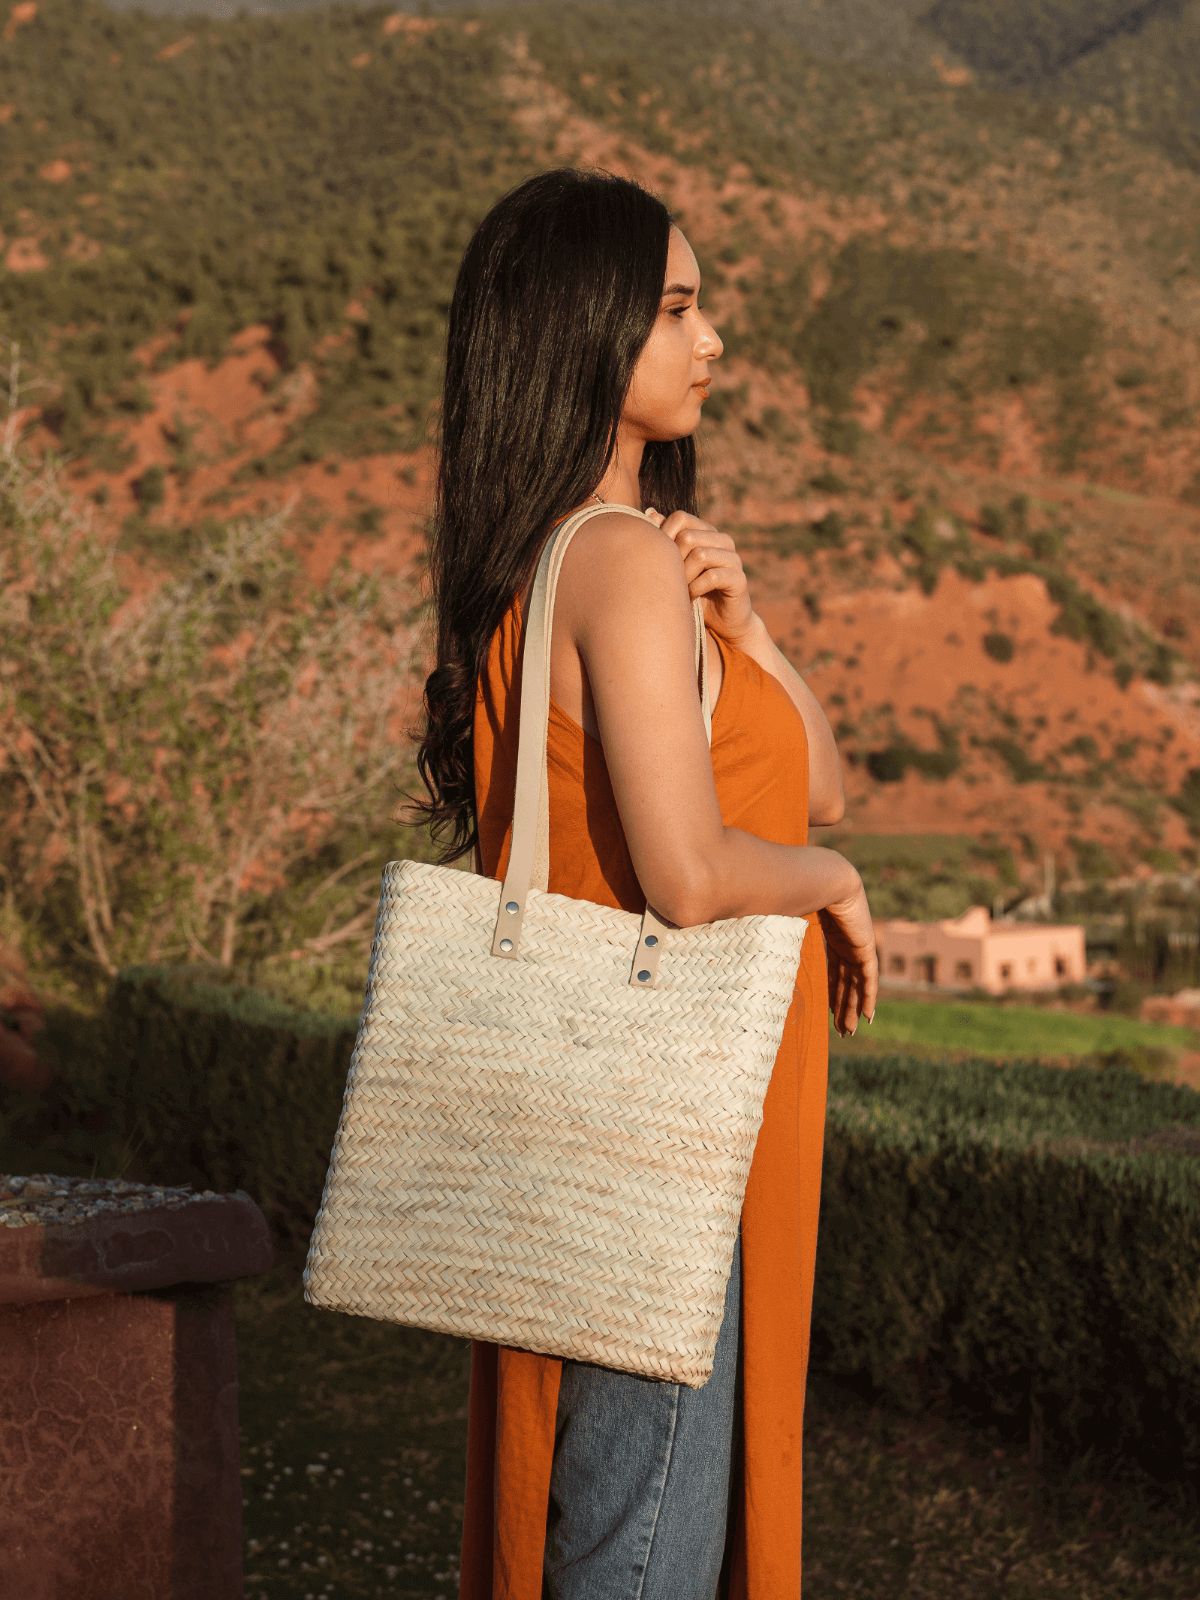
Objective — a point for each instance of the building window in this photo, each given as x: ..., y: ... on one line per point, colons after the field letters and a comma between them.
x: 1006, y: 972
x: 963, y: 971
x: 1060, y: 967
x: 896, y: 964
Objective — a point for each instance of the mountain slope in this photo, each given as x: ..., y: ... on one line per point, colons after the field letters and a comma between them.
x: 954, y: 429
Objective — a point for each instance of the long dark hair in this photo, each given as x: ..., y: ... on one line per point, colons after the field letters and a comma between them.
x: 555, y: 299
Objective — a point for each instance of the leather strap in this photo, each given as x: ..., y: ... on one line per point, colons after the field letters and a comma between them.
x: 529, y: 855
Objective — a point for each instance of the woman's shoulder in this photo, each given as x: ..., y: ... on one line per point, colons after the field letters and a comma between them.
x: 627, y: 544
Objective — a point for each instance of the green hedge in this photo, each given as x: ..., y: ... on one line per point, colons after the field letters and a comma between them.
x: 221, y: 1086
x: 1017, y: 1239
x: 1020, y: 1240
x: 182, y: 1078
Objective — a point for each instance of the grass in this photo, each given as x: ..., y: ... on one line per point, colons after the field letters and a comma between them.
x: 983, y: 1028
x: 926, y: 1508
x: 932, y: 1509
x: 353, y: 1444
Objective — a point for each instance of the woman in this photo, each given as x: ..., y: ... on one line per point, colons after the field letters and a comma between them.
x: 578, y: 362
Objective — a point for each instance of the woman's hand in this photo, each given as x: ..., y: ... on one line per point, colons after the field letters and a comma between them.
x: 851, y: 960
x: 714, y: 574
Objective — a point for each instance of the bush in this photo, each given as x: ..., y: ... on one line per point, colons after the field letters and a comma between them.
x: 829, y: 533
x: 1021, y: 766
x: 151, y: 489
x: 1083, y: 617
x: 1162, y: 665
x: 169, y: 767
x: 1045, y: 544
x: 192, y: 1080
x: 828, y: 482
x: 999, y: 646
x: 1187, y: 801
x: 1094, y: 861
x: 890, y: 764
x: 994, y: 521
x: 1020, y: 1240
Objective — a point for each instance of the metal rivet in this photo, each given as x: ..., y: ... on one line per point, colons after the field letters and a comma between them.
x: 652, y: 940
x: 512, y: 908
x: 506, y: 944
x: 643, y: 977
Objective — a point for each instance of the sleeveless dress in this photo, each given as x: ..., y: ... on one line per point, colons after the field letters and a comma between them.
x: 760, y: 764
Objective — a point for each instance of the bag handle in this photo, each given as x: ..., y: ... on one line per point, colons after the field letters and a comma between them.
x: 529, y: 854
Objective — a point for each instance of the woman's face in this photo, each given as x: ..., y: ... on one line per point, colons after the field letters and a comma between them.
x: 670, y: 381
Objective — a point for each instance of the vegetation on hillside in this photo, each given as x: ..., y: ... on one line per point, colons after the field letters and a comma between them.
x: 282, y: 170
x: 259, y: 170
x: 319, y: 173
x: 1138, y: 58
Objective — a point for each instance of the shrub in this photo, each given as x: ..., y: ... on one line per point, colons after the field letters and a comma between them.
x: 168, y: 765
x: 185, y: 1078
x: 890, y: 764
x: 1161, y: 668
x: 994, y: 521
x: 943, y: 319
x: 222, y: 1087
x: 1083, y: 617
x: 999, y: 646
x: 828, y: 482
x: 829, y: 533
x: 1187, y: 801
x: 1021, y: 765
x: 1045, y: 544
x: 1021, y: 1240
x: 151, y: 488
x: 842, y: 436
x: 1094, y: 861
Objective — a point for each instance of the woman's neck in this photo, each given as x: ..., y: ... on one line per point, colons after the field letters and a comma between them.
x: 619, y: 485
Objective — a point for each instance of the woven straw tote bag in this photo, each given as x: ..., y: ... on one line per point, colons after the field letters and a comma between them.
x: 551, y: 1106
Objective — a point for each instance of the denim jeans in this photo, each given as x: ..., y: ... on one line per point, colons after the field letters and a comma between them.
x: 639, y: 1488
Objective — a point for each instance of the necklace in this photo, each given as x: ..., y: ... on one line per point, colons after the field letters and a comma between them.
x: 596, y: 497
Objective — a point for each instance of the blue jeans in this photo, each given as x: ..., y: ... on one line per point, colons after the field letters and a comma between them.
x: 639, y: 1489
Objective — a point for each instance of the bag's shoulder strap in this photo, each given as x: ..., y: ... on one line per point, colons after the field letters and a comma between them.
x: 529, y: 855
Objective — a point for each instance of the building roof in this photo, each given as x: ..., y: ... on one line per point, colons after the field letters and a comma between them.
x: 977, y: 923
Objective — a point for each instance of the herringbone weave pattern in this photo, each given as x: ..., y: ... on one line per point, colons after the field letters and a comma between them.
x: 535, y: 1153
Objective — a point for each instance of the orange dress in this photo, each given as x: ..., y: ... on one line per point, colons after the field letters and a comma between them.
x: 760, y: 763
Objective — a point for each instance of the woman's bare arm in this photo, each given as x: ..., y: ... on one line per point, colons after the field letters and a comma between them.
x: 624, y: 615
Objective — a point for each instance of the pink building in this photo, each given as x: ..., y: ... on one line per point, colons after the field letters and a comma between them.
x: 973, y: 952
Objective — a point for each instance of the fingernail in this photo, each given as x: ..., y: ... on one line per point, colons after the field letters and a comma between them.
x: 854, y: 1030
x: 870, y: 1019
